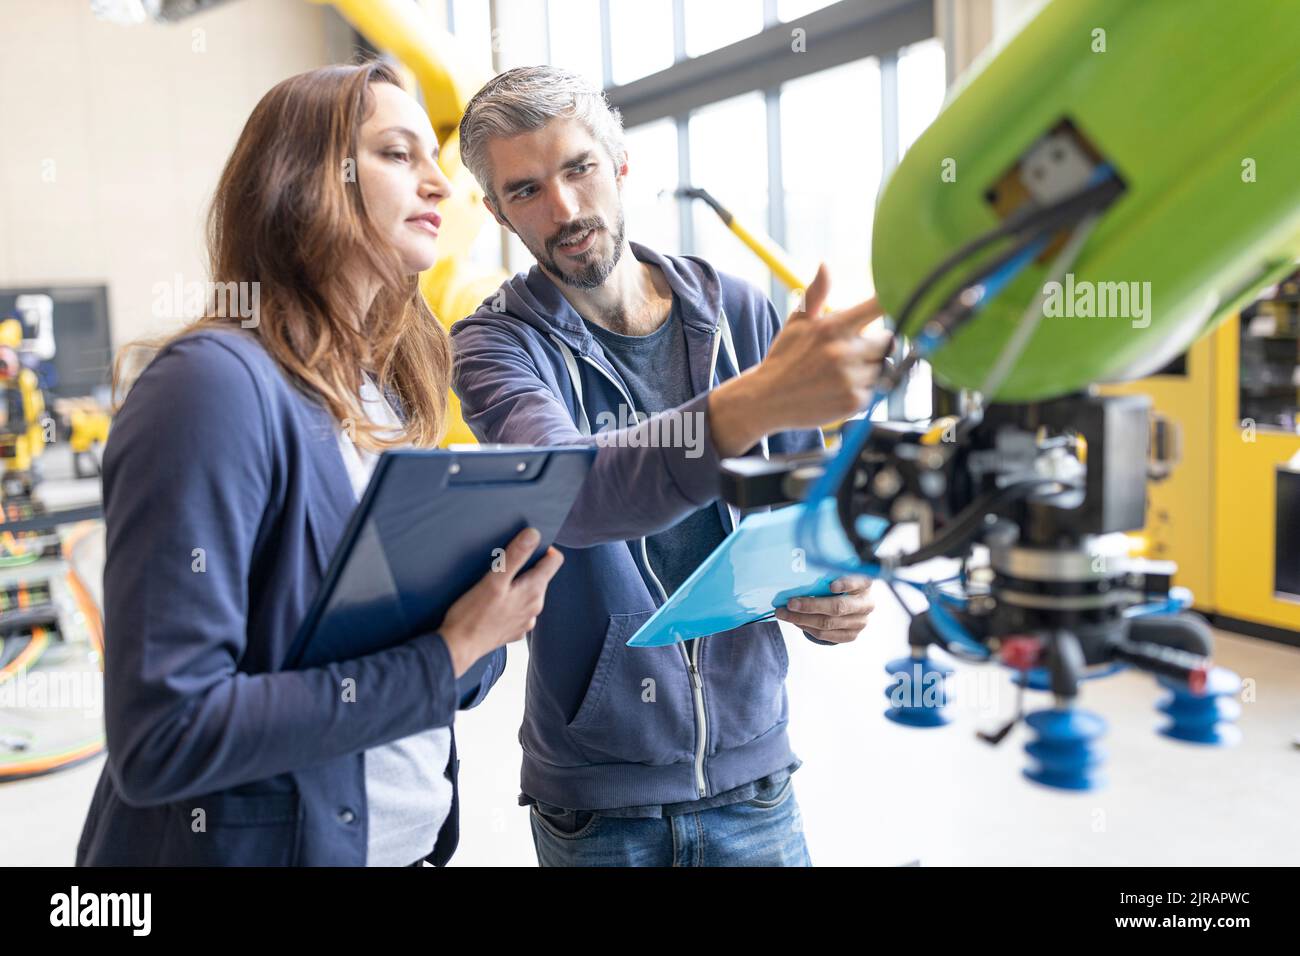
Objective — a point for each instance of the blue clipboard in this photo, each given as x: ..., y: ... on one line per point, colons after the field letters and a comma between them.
x: 757, y: 568
x: 424, y: 533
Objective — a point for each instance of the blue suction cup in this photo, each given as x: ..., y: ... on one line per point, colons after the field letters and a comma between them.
x: 1207, y: 717
x: 1065, y: 752
x: 918, y: 694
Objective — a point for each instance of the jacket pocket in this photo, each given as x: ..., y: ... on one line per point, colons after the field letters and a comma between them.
x: 638, y: 706
x: 744, y: 683
x: 232, y: 828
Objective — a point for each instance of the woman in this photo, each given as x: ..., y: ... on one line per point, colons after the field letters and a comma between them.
x: 232, y: 468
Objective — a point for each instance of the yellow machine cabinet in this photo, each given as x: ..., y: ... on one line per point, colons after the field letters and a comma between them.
x: 1180, y: 511
x: 1229, y: 514
x: 1256, y: 554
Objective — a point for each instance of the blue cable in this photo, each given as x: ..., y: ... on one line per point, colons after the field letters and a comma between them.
x: 995, y: 283
x: 950, y: 629
x: 947, y: 626
x: 854, y: 434
x: 852, y: 437
x: 1178, y: 599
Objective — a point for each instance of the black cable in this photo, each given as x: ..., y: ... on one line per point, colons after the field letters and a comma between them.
x: 894, y: 375
x: 967, y: 521
x: 953, y: 313
x: 1037, y: 222
x: 899, y: 598
x: 1034, y: 219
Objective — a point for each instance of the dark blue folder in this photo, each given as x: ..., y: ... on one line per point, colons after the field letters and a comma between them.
x: 426, y: 530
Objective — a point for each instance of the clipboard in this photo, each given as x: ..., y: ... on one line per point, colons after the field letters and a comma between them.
x: 756, y: 569
x: 426, y: 530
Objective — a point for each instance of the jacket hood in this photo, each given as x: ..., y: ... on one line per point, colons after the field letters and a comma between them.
x: 531, y: 297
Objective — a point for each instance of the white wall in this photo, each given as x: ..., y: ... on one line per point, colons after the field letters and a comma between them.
x: 113, y: 137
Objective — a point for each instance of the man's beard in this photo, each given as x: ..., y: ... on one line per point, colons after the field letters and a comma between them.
x: 593, y: 273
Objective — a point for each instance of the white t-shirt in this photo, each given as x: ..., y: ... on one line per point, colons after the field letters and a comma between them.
x: 408, y: 795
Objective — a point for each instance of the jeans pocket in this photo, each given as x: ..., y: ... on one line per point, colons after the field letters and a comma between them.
x: 638, y: 706
x: 769, y: 798
x: 565, y: 824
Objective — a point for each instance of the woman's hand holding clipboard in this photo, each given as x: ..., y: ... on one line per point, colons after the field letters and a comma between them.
x: 503, y: 606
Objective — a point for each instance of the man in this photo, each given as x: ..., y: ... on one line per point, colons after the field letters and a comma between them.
x: 644, y: 756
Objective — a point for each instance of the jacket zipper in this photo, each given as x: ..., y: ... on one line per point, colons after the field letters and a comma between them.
x: 692, y: 658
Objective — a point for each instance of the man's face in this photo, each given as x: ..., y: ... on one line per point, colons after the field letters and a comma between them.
x: 558, y: 191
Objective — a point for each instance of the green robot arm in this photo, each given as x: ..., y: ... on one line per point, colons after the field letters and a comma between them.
x: 1195, y: 107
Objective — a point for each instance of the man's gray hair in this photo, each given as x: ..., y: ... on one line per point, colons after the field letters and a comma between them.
x: 526, y: 99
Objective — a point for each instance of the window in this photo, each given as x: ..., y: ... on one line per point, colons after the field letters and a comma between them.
x: 575, y: 37
x: 713, y: 25
x: 921, y: 87
x: 471, y: 22
x: 794, y: 9
x: 763, y: 154
x: 830, y: 195
x: 648, y: 201
x: 728, y: 148
x: 641, y: 38
x: 521, y: 32
x: 1269, y: 356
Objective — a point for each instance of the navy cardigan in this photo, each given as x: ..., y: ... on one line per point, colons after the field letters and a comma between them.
x: 224, y: 497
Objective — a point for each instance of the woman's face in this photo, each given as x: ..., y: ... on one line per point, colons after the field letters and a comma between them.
x: 398, y: 172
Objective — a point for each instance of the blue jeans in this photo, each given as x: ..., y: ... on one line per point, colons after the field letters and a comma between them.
x: 765, y: 831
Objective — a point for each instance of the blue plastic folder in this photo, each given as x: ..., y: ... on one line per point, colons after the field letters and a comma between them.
x: 428, y: 527
x: 758, y: 568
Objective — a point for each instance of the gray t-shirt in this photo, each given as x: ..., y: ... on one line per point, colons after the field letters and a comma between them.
x: 657, y: 373
x: 408, y: 795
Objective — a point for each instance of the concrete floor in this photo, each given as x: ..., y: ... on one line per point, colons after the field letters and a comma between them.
x: 878, y: 794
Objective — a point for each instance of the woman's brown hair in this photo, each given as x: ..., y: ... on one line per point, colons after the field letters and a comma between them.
x: 288, y: 214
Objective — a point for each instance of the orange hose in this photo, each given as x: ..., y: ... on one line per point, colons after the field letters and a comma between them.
x: 94, y: 620
x: 28, y: 655
x: 46, y: 763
